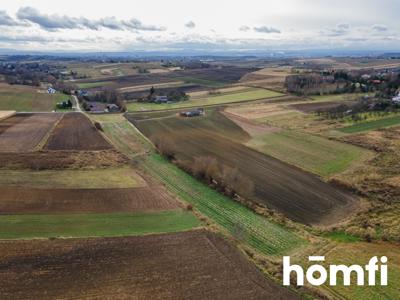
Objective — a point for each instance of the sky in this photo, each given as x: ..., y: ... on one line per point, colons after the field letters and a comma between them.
x: 167, y: 25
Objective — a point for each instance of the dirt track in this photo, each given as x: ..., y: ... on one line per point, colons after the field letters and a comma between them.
x: 189, y: 265
x: 76, y: 132
x: 23, y: 132
x: 35, y: 201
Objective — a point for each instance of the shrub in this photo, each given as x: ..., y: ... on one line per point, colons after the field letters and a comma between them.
x: 98, y: 126
x: 164, y: 146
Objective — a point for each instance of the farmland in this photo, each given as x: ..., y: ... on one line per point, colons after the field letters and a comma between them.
x: 88, y: 225
x: 249, y: 228
x: 254, y: 94
x: 23, y: 200
x: 310, y: 152
x: 297, y: 194
x: 361, y: 253
x: 100, y: 178
x: 261, y: 234
x: 93, y: 84
x: 155, y: 266
x: 209, y: 77
x: 371, y: 125
x: 28, y: 99
x: 104, y: 70
x: 24, y: 132
x: 151, y: 204
x: 61, y: 160
x: 82, y: 137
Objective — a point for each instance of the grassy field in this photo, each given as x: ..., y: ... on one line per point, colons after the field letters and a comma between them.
x: 122, y: 134
x: 361, y: 253
x: 310, y: 152
x: 26, y: 98
x: 339, y: 97
x: 103, y: 70
x: 99, y: 178
x: 89, y: 225
x: 245, y: 225
x: 253, y: 94
x: 371, y: 125
x: 205, y: 82
x: 89, y: 85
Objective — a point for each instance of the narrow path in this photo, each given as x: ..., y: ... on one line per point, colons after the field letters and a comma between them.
x: 76, y: 105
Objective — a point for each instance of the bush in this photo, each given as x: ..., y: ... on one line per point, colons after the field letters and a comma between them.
x: 224, y: 178
x: 164, y: 146
x: 98, y: 126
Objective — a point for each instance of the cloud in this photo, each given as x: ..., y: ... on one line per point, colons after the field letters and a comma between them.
x: 6, y: 20
x: 190, y: 25
x: 55, y: 22
x: 379, y: 27
x: 244, y: 28
x: 339, y: 30
x: 265, y: 29
x: 136, y: 24
x: 49, y: 22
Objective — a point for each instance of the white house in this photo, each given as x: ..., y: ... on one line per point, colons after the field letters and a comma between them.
x: 396, y: 99
x: 50, y: 90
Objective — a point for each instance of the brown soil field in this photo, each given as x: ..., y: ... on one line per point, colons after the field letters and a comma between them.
x: 23, y: 132
x: 297, y: 194
x: 316, y: 106
x: 188, y: 265
x: 44, y: 201
x: 50, y: 160
x: 76, y: 132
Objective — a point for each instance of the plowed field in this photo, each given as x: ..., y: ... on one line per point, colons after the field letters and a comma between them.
x: 35, y: 201
x: 299, y: 195
x: 188, y: 265
x: 76, y: 132
x: 23, y: 132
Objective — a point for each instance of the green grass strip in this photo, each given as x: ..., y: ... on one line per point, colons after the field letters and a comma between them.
x: 261, y: 234
x: 95, y: 225
x: 372, y: 125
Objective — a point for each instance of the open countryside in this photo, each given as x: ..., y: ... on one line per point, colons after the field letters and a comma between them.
x: 148, y: 152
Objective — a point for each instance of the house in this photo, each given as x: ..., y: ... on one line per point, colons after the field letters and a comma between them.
x: 83, y: 93
x: 112, y: 108
x: 396, y: 99
x: 161, y: 99
x: 50, y: 90
x: 366, y: 76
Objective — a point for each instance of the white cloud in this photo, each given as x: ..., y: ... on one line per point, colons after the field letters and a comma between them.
x: 54, y: 22
x: 379, y: 27
x: 265, y: 29
x: 190, y: 25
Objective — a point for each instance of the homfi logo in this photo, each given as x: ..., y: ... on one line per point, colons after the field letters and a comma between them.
x: 318, y: 274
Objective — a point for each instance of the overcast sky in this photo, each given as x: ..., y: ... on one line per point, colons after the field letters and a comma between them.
x: 119, y: 25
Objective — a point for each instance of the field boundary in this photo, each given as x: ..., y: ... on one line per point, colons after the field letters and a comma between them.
x: 43, y: 142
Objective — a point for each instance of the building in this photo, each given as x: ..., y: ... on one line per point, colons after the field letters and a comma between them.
x: 396, y: 99
x: 161, y: 99
x: 113, y: 108
x: 50, y: 90
x: 365, y: 76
